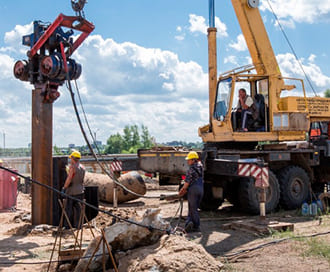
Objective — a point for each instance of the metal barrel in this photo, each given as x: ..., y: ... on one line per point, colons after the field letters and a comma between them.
x: 131, y: 180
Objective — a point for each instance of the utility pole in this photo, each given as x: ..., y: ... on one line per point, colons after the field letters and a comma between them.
x: 95, y: 135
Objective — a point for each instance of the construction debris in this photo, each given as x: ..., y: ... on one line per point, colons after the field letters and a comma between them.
x: 132, y: 181
x: 172, y: 253
x: 123, y: 236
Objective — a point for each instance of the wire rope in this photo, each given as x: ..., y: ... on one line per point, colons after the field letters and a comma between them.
x: 291, y: 47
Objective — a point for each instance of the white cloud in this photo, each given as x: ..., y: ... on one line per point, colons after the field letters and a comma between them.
x: 290, y: 67
x: 312, y: 58
x: 198, y: 25
x: 179, y: 37
x: 231, y: 59
x: 116, y: 69
x: 285, y: 22
x: 14, y: 109
x: 6, y: 66
x: 221, y: 27
x: 13, y: 38
x: 299, y: 11
x: 150, y: 98
x: 240, y: 44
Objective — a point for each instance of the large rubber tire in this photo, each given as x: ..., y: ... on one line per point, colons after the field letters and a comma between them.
x: 231, y: 192
x: 249, y: 195
x: 209, y: 203
x: 294, y: 184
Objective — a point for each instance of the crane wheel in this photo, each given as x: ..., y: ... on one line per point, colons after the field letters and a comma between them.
x: 249, y: 195
x: 294, y: 184
x: 231, y: 192
x: 209, y: 202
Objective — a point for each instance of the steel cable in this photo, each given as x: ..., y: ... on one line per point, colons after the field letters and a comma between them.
x: 291, y: 47
x: 92, y: 150
x: 168, y: 231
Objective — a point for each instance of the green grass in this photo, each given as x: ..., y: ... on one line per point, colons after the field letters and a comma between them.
x: 318, y: 248
x: 227, y: 266
x: 282, y: 234
x: 310, y: 247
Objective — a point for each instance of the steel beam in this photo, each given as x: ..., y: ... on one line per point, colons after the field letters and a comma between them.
x: 42, y: 167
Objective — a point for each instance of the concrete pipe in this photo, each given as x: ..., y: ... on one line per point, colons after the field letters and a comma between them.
x: 132, y: 181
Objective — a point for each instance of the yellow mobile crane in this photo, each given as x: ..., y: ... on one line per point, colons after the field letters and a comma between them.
x: 282, y: 118
x: 275, y: 138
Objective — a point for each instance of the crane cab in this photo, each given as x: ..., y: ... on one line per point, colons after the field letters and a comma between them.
x: 274, y: 119
x: 284, y: 111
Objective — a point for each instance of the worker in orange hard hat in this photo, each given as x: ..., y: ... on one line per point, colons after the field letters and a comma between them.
x: 73, y: 186
x: 194, y: 185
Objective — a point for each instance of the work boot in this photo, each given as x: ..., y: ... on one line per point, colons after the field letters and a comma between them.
x: 189, y: 227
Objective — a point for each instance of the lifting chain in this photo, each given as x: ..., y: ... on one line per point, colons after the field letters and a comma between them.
x: 78, y: 6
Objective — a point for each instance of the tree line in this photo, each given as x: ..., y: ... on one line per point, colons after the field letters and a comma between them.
x: 129, y: 141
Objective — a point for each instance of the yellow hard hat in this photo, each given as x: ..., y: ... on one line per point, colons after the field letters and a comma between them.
x: 75, y: 154
x: 1, y: 161
x: 192, y: 155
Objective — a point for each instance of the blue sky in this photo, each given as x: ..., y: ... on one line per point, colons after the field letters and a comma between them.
x: 146, y: 62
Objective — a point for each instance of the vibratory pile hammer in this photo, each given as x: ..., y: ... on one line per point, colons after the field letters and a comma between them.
x: 49, y: 65
x: 50, y: 62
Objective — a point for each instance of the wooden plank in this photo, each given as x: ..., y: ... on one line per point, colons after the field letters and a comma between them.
x: 255, y: 226
x: 70, y: 254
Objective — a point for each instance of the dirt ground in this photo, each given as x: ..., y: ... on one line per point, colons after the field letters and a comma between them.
x: 238, y: 250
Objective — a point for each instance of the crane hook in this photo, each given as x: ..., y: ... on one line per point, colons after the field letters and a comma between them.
x: 78, y: 5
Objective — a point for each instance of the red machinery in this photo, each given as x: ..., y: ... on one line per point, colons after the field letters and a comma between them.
x: 49, y: 61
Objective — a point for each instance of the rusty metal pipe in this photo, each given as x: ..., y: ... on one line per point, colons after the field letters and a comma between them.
x: 132, y: 181
x: 42, y: 166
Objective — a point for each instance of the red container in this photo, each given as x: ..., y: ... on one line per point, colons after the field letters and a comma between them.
x: 8, y: 189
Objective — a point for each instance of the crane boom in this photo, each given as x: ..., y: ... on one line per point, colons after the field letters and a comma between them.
x: 256, y: 38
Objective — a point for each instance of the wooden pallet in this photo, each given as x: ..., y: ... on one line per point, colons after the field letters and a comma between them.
x: 264, y: 227
x: 70, y: 254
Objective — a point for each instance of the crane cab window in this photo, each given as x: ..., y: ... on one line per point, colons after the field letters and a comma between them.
x: 262, y: 101
x: 223, y: 98
x: 255, y: 117
x: 262, y: 88
x: 241, y: 116
x: 241, y: 85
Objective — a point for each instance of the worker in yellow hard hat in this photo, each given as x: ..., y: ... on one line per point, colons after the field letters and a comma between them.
x: 194, y: 185
x: 73, y: 186
x: 75, y: 154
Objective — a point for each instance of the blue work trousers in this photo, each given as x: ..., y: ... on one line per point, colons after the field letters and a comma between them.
x: 195, y: 195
